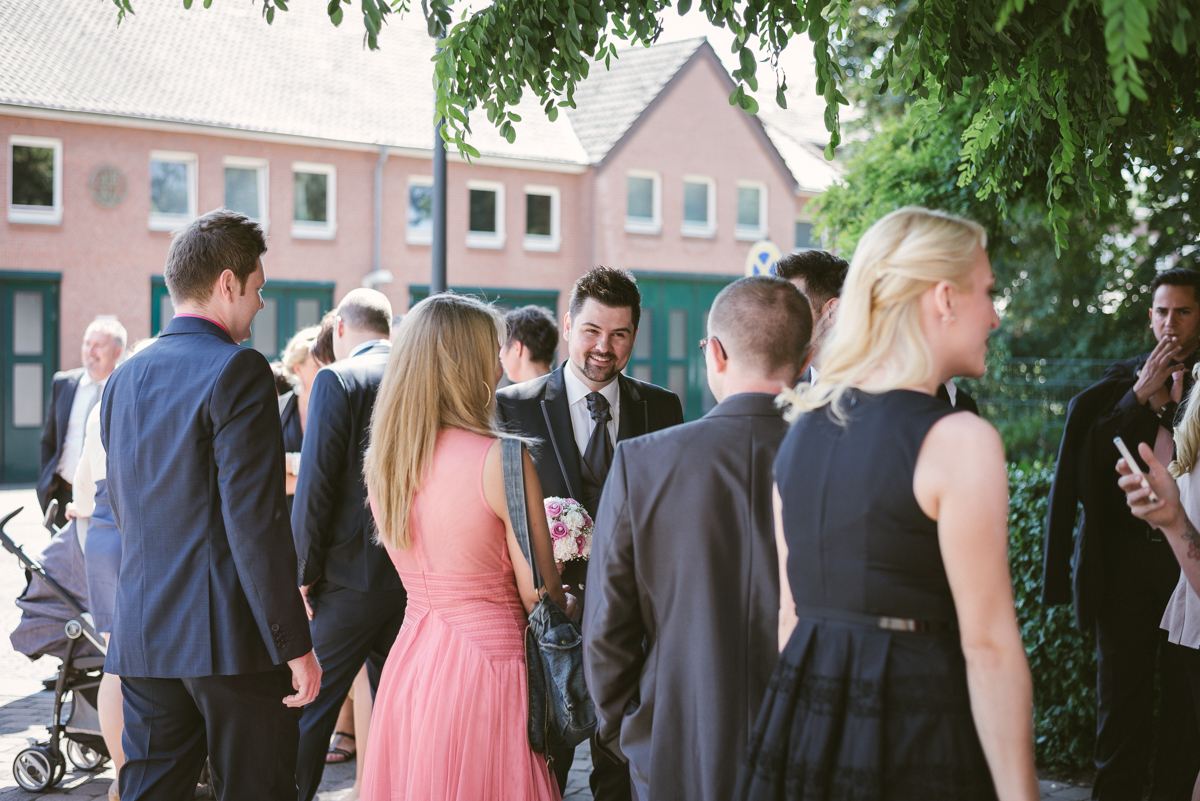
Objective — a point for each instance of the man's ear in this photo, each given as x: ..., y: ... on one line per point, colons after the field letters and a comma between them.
x: 225, y: 284
x: 830, y: 308
x: 566, y: 326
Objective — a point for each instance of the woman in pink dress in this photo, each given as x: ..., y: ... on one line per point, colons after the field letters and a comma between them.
x: 451, y: 710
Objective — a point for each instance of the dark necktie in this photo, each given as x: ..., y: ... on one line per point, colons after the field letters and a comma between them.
x: 598, y: 456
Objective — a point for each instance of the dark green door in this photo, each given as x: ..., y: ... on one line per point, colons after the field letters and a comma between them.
x: 503, y: 299
x: 674, y: 320
x: 29, y: 354
x: 288, y: 306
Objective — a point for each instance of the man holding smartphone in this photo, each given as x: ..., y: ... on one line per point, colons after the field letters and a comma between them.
x: 1124, y: 571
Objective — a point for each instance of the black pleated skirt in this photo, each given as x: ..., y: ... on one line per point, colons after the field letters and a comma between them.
x: 855, y: 713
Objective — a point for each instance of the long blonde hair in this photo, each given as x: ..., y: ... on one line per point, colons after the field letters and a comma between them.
x: 1187, y: 433
x: 439, y: 376
x: 879, y: 315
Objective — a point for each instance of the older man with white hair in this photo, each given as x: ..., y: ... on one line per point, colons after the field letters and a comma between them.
x: 74, y: 394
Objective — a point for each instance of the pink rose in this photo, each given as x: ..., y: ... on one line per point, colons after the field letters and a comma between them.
x: 580, y: 545
x: 553, y: 508
x: 587, y: 520
x: 559, y: 530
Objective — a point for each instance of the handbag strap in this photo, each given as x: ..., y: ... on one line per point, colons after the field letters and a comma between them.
x: 513, y: 461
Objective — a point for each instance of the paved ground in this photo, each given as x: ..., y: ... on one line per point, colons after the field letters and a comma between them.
x: 25, y: 708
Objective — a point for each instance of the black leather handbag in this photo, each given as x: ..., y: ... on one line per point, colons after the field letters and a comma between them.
x: 560, y: 709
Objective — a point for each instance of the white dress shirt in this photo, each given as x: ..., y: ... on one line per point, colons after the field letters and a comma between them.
x: 365, y: 346
x: 87, y: 395
x: 581, y: 418
x: 1181, y: 618
x: 92, y: 468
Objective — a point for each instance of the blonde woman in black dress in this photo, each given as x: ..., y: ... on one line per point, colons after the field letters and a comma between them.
x: 901, y: 673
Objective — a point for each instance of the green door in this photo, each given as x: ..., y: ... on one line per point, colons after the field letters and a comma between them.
x: 29, y: 354
x: 674, y: 320
x: 288, y: 306
x: 504, y: 299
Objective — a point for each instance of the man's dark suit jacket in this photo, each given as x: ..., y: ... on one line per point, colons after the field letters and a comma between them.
x: 54, y: 433
x: 1086, y: 473
x: 195, y: 476
x: 539, y: 409
x: 332, y: 525
x: 681, y: 630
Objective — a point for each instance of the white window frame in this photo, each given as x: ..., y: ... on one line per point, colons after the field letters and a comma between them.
x: 172, y: 222
x: 416, y: 236
x: 307, y: 229
x: 708, y: 229
x: 641, y: 225
x: 262, y: 166
x: 745, y: 233
x: 37, y: 215
x: 541, y: 242
x: 486, y: 239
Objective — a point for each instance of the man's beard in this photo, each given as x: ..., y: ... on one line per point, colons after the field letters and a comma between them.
x: 599, y: 373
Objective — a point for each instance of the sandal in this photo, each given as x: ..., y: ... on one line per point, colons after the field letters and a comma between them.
x: 336, y: 753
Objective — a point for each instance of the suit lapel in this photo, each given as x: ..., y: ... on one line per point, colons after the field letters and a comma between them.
x: 557, y: 413
x: 633, y: 421
x: 64, y: 409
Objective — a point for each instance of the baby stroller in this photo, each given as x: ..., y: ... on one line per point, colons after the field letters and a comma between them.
x: 54, y: 621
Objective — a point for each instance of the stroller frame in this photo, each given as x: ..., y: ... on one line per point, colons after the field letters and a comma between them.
x: 43, y: 765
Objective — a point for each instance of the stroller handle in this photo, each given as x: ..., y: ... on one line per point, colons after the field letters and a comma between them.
x: 86, y: 628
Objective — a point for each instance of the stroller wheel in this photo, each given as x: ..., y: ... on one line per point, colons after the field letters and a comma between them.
x: 83, y: 757
x: 36, y: 770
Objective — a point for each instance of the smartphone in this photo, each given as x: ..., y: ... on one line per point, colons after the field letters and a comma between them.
x: 1133, y: 465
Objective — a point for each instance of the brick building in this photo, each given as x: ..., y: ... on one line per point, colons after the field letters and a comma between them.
x: 115, y: 136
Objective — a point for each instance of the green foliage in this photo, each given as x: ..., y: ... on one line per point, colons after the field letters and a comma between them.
x: 1062, y: 661
x: 1068, y: 96
x: 1090, y: 302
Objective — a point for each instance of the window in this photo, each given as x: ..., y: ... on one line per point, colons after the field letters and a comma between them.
x: 699, y: 206
x: 486, y: 214
x: 804, y: 236
x: 246, y: 187
x: 172, y: 189
x: 643, y: 210
x: 420, y: 210
x: 542, y: 218
x: 751, y: 211
x: 315, y: 197
x: 35, y: 180
x: 288, y: 306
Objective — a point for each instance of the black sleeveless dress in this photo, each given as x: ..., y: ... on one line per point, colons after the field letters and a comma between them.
x: 862, y: 708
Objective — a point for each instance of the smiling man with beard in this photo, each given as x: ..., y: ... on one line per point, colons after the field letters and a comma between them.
x: 578, y: 413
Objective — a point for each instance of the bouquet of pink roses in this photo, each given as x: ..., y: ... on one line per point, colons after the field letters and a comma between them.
x: 570, y: 529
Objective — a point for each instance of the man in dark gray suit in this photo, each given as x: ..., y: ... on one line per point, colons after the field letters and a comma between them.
x: 681, y: 626
x: 356, y: 601
x: 210, y: 638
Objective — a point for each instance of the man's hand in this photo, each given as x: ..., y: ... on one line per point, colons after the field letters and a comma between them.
x: 1167, y: 512
x: 70, y: 513
x: 1151, y: 384
x: 572, y: 609
x: 308, y: 610
x: 306, y: 680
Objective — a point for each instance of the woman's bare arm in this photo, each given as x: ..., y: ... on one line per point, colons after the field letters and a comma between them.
x: 539, y: 530
x: 787, y: 604
x: 960, y: 481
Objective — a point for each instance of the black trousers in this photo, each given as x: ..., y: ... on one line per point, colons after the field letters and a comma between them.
x: 610, y: 776
x: 238, y: 722
x: 349, y: 628
x: 1140, y: 577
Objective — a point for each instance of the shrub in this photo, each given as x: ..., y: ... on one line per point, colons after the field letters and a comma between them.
x: 1062, y: 660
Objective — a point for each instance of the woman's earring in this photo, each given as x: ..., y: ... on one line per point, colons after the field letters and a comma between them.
x: 948, y: 319
x: 489, y: 393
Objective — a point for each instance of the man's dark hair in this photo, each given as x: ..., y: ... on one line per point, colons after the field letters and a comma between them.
x: 763, y: 320
x: 823, y: 274
x: 218, y: 241
x: 533, y: 327
x: 283, y: 383
x: 609, y: 287
x: 322, y: 348
x: 1180, y: 276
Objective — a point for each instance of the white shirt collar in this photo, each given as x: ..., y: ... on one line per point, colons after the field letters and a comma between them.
x: 577, y: 391
x: 365, y: 346
x: 86, y: 380
x: 952, y: 391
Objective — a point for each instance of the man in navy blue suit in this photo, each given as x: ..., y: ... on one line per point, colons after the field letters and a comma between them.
x: 356, y: 599
x: 210, y: 636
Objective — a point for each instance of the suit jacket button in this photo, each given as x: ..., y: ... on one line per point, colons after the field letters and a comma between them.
x: 274, y: 627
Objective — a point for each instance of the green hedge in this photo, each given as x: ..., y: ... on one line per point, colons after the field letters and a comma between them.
x: 1062, y: 660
